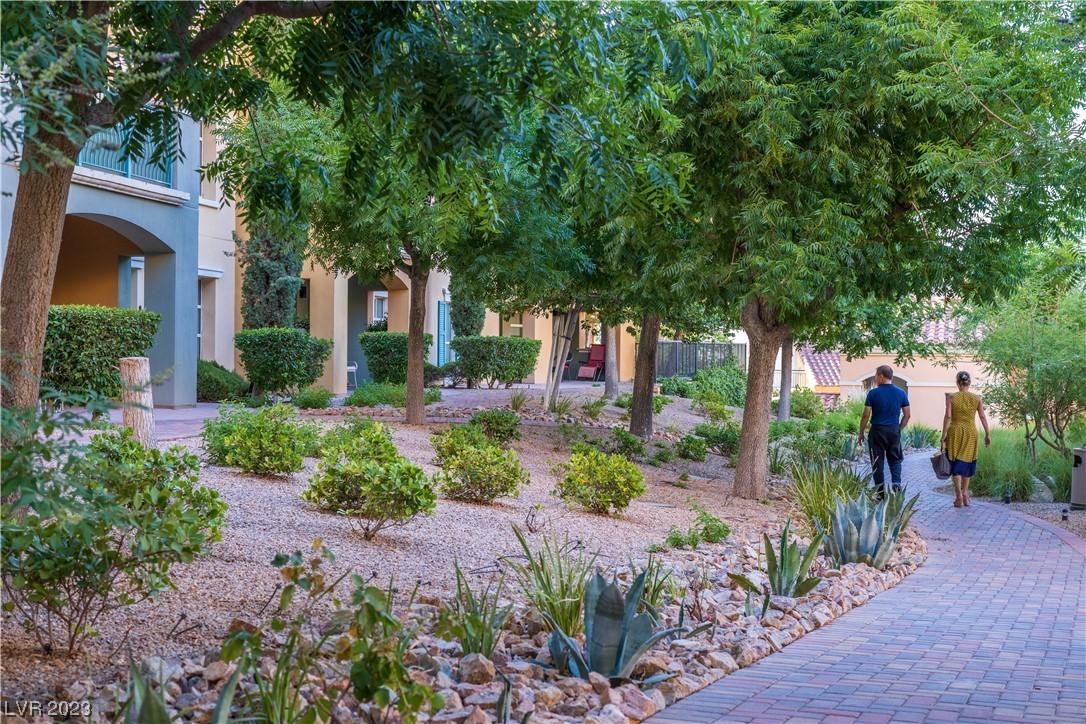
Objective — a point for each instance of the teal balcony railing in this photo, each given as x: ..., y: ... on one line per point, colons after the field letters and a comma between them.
x: 103, y: 151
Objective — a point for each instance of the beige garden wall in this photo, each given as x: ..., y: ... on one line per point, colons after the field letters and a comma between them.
x: 929, y: 382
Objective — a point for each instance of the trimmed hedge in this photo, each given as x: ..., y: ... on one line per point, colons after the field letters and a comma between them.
x: 84, y: 343
x: 496, y: 359
x: 282, y: 359
x: 215, y: 383
x: 386, y: 354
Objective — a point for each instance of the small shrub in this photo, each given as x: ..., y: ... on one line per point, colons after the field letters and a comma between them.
x: 128, y: 514
x: 374, y: 493
x: 553, y: 579
x: 375, y: 394
x: 677, y: 386
x: 691, y: 447
x: 592, y: 408
x: 805, y: 404
x: 364, y: 439
x: 710, y: 528
x: 818, y: 447
x: 722, y: 439
x: 432, y: 375
x: 458, y: 437
x: 658, y: 402
x: 500, y: 425
x: 312, y: 398
x: 215, y: 383
x: 676, y: 538
x: 386, y: 354
x: 623, y: 400
x: 378, y: 325
x: 728, y: 380
x: 265, y: 442
x: 311, y: 435
x: 84, y: 343
x: 352, y: 426
x: 496, y: 360
x: 781, y: 429
x: 626, y: 444
x: 600, y: 483
x: 281, y: 360
x: 452, y: 374
x: 663, y: 455
x: 481, y: 474
x: 570, y: 435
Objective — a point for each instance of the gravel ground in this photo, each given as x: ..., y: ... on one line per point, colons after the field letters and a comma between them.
x: 267, y: 516
x: 1049, y: 512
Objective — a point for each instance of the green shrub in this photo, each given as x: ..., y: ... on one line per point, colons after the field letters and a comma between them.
x: 722, y: 439
x: 351, y: 426
x: 817, y: 488
x: 623, y: 400
x: 707, y: 528
x: 677, y: 386
x: 594, y: 407
x: 312, y: 398
x: 215, y: 383
x: 600, y: 483
x: 365, y: 439
x: 84, y: 343
x: 466, y: 315
x: 378, y: 325
x: 128, y: 514
x: 281, y: 360
x: 452, y: 375
x: 481, y: 474
x: 727, y: 379
x: 625, y: 443
x: 1056, y: 469
x: 432, y: 375
x: 310, y: 434
x: 658, y: 402
x: 781, y: 429
x: 691, y: 447
x: 821, y: 446
x: 386, y: 354
x: 664, y: 454
x: 839, y: 419
x: 500, y: 425
x: 458, y: 437
x: 806, y: 404
x: 375, y: 493
x: 496, y: 360
x: 375, y: 394
x: 269, y: 441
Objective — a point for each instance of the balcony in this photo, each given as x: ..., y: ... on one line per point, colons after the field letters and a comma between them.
x: 103, y: 152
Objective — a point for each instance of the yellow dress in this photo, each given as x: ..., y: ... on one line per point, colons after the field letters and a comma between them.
x: 961, y: 436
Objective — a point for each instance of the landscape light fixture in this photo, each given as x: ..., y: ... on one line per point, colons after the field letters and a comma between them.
x: 1007, y: 496
x: 1064, y: 513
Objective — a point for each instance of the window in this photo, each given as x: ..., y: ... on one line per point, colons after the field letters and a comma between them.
x: 380, y: 306
x: 209, y: 189
x: 513, y: 326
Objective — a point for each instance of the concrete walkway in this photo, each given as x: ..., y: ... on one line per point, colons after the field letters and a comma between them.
x: 991, y: 628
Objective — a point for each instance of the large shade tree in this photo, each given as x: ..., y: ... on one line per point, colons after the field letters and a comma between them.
x: 870, y: 158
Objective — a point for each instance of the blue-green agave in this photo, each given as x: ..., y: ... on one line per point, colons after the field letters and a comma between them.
x: 616, y: 635
x: 788, y: 570
x: 865, y: 532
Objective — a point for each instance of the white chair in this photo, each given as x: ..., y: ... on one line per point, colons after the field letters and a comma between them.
x: 352, y: 372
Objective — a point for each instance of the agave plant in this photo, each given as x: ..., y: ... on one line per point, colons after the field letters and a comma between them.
x: 787, y: 571
x: 865, y: 532
x: 616, y: 635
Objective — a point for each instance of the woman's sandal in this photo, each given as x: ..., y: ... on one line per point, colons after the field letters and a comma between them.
x: 958, y: 502
x: 965, y: 499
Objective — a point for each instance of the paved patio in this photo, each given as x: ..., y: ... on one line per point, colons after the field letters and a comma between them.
x: 991, y: 628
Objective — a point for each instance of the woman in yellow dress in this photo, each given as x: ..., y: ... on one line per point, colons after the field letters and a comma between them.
x: 960, y: 436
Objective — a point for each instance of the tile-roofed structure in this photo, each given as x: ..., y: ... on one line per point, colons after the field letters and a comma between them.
x: 942, y: 331
x: 825, y: 367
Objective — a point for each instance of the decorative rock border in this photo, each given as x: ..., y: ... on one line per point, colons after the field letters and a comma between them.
x: 471, y: 685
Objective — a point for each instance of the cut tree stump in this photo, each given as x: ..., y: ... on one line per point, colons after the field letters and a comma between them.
x: 138, y: 406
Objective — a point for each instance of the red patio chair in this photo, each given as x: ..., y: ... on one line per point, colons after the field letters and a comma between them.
x: 591, y: 369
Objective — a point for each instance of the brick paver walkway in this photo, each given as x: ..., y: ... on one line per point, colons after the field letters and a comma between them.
x: 991, y: 628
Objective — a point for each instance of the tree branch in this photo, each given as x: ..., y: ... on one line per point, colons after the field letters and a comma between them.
x: 208, y: 38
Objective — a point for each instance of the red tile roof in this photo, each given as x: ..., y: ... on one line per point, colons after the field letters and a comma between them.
x: 824, y: 366
x: 943, y: 331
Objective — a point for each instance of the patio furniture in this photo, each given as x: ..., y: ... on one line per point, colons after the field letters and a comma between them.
x: 565, y: 366
x: 591, y: 369
x: 352, y: 374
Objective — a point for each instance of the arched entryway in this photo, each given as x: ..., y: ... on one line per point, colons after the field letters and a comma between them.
x: 900, y: 381
x: 367, y: 302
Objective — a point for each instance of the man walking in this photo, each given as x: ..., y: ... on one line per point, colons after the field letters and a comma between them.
x: 887, y: 407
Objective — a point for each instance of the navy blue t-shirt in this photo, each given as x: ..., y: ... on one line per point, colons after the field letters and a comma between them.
x: 886, y: 402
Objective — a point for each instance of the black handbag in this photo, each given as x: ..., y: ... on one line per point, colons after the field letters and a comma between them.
x: 940, y: 463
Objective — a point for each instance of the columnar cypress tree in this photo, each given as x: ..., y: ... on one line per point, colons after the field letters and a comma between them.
x: 270, y: 284
x: 466, y: 314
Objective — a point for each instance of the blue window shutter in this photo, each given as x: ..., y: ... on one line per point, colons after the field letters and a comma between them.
x: 442, y: 316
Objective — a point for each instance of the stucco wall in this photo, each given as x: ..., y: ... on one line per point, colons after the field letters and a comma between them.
x: 87, y: 268
x: 929, y: 381
x: 217, y: 259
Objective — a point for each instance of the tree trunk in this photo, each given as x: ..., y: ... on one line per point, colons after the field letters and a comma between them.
x: 644, y: 377
x: 37, y: 223
x: 784, y: 409
x: 416, y: 328
x: 136, y: 399
x: 610, y: 363
x: 564, y: 327
x: 765, y: 335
